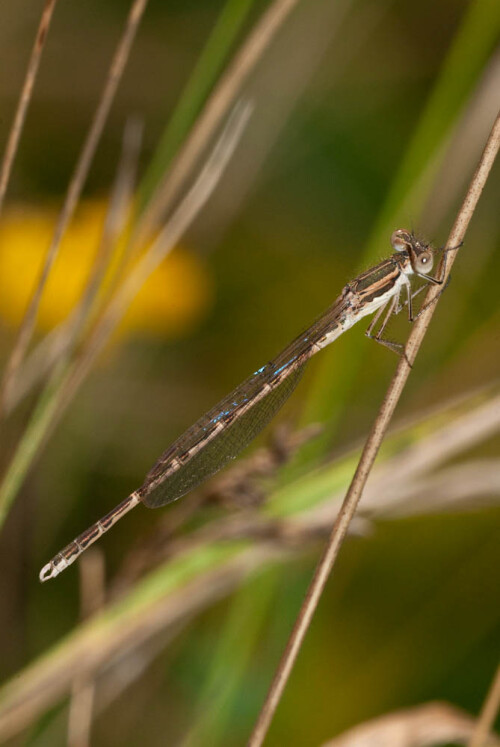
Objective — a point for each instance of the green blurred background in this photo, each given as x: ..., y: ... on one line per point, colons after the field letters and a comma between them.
x: 368, y: 116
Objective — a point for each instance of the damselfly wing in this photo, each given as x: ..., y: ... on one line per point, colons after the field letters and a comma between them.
x: 223, y: 432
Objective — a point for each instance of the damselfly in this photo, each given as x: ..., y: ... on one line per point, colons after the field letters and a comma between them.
x: 227, y: 428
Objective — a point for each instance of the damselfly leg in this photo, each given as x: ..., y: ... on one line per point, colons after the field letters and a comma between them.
x: 394, y: 307
x: 391, y: 307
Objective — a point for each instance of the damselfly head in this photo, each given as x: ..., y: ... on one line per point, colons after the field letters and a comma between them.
x: 420, y: 255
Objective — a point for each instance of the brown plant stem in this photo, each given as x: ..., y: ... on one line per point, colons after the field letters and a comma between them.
x: 489, y: 711
x: 372, y: 446
x: 92, y: 598
x: 134, y: 624
x: 73, y: 195
x: 67, y: 376
x: 221, y: 100
x: 25, y: 97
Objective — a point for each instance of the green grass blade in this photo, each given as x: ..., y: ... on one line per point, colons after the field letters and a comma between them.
x: 31, y: 440
x: 238, y: 640
x: 203, y: 77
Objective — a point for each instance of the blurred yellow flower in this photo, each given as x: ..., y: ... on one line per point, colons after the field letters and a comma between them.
x: 170, y: 303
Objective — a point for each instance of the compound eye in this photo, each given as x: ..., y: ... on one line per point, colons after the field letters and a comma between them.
x: 425, y: 262
x: 400, y: 240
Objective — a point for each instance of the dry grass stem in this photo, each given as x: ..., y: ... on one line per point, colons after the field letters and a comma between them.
x: 182, y: 218
x: 114, y: 225
x: 452, y: 489
x: 394, y: 491
x: 372, y: 445
x: 234, y: 489
x: 228, y: 89
x: 25, y: 98
x: 72, y: 196
x: 465, y: 147
x: 101, y: 642
x: 489, y: 712
x: 57, y: 342
x: 83, y: 690
x: 463, y: 433
x: 473, y: 483
x: 67, y: 378
x: 424, y: 726
x: 94, y: 648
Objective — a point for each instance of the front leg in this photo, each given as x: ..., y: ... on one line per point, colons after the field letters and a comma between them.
x: 432, y: 301
x: 391, y: 307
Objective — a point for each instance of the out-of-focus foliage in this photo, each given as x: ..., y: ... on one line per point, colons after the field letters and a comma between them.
x: 169, y: 304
